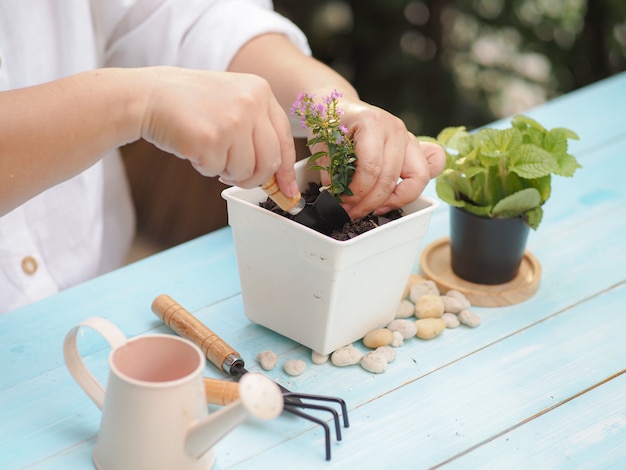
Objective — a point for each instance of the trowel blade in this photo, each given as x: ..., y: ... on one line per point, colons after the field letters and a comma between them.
x: 323, y: 215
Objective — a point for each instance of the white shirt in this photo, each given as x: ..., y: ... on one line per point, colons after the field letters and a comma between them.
x: 83, y: 227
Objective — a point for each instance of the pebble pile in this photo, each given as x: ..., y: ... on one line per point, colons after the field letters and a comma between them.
x: 423, y: 312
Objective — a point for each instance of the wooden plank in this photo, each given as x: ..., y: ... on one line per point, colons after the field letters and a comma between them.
x: 586, y: 432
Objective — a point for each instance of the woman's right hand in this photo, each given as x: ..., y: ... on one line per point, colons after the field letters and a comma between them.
x: 226, y: 124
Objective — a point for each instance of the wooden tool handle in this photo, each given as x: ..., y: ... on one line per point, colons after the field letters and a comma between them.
x: 220, y: 392
x: 273, y: 191
x: 186, y: 325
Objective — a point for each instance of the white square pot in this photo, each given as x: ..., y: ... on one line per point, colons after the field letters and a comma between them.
x: 318, y: 291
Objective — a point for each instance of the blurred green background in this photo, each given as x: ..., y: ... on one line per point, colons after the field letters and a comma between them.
x: 440, y: 63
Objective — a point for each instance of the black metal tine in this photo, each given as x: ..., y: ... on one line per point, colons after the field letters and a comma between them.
x: 314, y: 406
x: 340, y: 401
x: 292, y: 409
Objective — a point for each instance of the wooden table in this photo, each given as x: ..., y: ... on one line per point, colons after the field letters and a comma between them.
x: 537, y: 384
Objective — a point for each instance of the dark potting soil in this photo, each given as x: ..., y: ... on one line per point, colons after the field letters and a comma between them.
x: 349, y: 230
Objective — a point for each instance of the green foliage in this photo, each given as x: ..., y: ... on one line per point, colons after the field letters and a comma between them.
x: 323, y: 121
x: 504, y: 173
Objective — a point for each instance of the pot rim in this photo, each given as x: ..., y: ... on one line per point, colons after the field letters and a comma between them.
x: 410, y: 211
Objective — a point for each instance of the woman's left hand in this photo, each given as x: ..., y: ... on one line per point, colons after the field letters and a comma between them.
x: 393, y: 167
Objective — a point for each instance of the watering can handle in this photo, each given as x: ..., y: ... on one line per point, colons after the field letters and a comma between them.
x: 75, y: 363
x: 220, y: 392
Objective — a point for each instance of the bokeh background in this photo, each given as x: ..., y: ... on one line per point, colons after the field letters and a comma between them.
x: 438, y: 63
x: 434, y: 63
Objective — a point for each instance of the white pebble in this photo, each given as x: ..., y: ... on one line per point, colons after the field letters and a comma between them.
x: 346, y: 356
x: 413, y: 279
x: 398, y: 339
x: 387, y: 352
x: 460, y: 296
x: 423, y: 288
x: 406, y: 328
x: 374, y: 362
x: 406, y: 309
x: 469, y: 318
x: 452, y: 304
x: 267, y: 359
x: 318, y: 358
x: 294, y: 367
x: 451, y: 320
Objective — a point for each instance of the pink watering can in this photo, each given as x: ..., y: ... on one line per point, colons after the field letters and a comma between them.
x: 154, y: 412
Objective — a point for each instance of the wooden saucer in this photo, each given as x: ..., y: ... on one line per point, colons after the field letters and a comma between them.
x: 435, y: 264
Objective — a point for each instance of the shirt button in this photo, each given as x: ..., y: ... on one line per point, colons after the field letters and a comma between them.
x: 29, y: 265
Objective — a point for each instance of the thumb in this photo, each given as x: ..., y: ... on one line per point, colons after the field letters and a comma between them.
x: 286, y: 178
x: 435, y: 157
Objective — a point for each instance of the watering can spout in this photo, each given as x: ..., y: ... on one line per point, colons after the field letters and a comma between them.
x: 258, y: 396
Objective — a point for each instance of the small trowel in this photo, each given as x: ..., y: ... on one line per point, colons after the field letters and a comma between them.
x: 323, y: 215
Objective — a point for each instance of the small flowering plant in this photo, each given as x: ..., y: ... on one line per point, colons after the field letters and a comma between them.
x: 323, y: 121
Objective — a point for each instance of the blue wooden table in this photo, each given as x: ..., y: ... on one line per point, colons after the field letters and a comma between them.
x: 537, y: 384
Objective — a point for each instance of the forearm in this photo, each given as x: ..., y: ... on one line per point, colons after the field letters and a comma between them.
x: 51, y: 132
x: 288, y: 70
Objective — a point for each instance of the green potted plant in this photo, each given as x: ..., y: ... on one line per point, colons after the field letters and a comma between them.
x: 497, y: 181
x: 317, y: 290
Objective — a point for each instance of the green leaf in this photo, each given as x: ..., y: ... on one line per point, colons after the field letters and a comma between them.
x: 446, y: 192
x: 449, y: 135
x: 316, y: 156
x: 555, y: 142
x: 534, y: 136
x: 570, y: 134
x: 567, y: 165
x: 534, y: 162
x: 489, y: 158
x: 480, y: 211
x: 473, y: 171
x: 522, y: 121
x: 480, y: 192
x: 516, y: 204
x: 533, y: 217
x: 459, y: 187
x: 314, y: 140
x: 425, y: 138
x: 507, y: 139
x: 542, y: 185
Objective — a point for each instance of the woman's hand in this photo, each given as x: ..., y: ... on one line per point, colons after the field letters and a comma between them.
x: 393, y: 167
x: 226, y: 124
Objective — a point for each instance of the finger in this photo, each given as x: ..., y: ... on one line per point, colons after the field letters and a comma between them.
x: 285, y: 172
x: 415, y: 176
x: 435, y: 157
x: 369, y: 148
x: 212, y: 160
x: 241, y: 162
x: 385, y: 186
x: 263, y: 152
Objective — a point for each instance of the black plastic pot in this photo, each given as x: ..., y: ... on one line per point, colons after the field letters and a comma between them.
x: 486, y: 251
